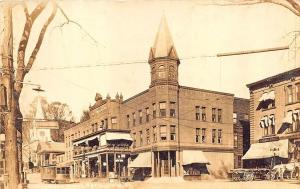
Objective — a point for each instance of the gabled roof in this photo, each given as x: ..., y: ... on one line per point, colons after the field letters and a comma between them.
x: 163, y: 45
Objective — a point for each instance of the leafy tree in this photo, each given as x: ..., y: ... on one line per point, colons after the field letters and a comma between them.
x: 84, y: 116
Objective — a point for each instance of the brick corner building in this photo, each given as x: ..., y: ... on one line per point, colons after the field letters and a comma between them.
x: 166, y: 130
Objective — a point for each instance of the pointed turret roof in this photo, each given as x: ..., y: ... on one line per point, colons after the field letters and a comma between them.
x: 163, y: 45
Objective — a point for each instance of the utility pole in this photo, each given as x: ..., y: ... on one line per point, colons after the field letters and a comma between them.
x: 11, y: 153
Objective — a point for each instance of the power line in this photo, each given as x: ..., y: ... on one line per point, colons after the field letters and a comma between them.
x: 119, y: 63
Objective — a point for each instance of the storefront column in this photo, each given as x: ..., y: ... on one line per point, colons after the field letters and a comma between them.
x: 99, y: 165
x: 159, y: 165
x: 152, y: 164
x: 115, y: 163
x: 83, y: 169
x: 107, y: 165
x: 169, y: 162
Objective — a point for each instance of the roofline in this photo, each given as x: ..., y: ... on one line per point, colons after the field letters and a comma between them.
x: 102, y: 131
x: 205, y: 90
x: 278, y: 76
x: 133, y: 97
x: 240, y: 98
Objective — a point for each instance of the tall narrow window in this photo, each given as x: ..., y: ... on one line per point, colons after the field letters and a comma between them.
x: 147, y: 115
x: 134, y: 139
x: 162, y: 109
x: 213, y: 115
x: 113, y: 120
x: 172, y: 132
x: 148, y: 136
x: 133, y: 118
x: 197, y: 114
x: 154, y: 110
x: 197, y: 136
x: 234, y: 117
x: 154, y: 134
x: 272, y: 123
x: 298, y: 92
x: 102, y: 124
x: 297, y: 120
x: 163, y: 132
x: 161, y: 72
x: 235, y: 139
x: 128, y: 121
x: 213, y: 136
x: 203, y: 136
x: 106, y: 124
x: 289, y: 94
x: 203, y: 113
x: 172, y: 109
x: 219, y: 136
x: 140, y: 116
x: 141, y: 138
x: 219, y: 115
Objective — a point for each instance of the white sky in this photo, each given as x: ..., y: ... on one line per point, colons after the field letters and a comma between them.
x: 125, y: 31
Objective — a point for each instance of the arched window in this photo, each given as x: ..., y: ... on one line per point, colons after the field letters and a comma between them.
x: 161, y: 72
x: 172, y: 72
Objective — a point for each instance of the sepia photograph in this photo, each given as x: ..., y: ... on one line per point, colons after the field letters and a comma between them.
x: 130, y: 94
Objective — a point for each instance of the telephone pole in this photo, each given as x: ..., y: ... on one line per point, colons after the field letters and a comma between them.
x: 11, y: 152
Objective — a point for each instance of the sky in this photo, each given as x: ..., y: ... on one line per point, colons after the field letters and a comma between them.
x: 125, y: 30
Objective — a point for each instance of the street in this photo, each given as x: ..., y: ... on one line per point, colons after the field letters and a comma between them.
x: 171, y: 183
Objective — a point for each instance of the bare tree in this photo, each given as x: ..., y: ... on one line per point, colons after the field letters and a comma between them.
x: 292, y: 5
x: 13, y: 79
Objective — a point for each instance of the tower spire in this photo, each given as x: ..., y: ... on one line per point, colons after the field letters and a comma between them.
x: 163, y: 45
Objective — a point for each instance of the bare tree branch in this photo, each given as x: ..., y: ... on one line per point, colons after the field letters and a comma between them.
x: 40, y: 39
x: 25, y: 9
x: 25, y: 38
x: 68, y: 21
x: 292, y: 5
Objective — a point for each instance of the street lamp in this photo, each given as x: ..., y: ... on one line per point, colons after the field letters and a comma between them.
x: 274, y: 150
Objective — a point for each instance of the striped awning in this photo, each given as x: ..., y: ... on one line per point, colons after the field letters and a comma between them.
x: 193, y: 156
x: 265, y: 150
x: 142, y: 160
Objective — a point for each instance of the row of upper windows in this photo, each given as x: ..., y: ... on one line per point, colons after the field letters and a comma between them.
x: 162, y: 110
x: 216, y: 114
x: 94, y: 128
x: 201, y: 136
x: 162, y: 135
x: 292, y: 95
x: 158, y: 133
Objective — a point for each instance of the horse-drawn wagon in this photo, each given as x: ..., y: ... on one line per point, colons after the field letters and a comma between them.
x: 252, y: 174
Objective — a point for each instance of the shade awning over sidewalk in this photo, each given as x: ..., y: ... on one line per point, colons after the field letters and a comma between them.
x: 142, y: 160
x: 193, y: 156
x: 265, y: 150
x: 286, y: 122
x: 118, y: 136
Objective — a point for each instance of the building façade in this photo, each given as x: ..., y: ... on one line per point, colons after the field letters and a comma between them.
x: 274, y: 120
x: 166, y: 130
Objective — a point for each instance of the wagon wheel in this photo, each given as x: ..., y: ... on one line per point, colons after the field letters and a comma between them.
x: 269, y: 176
x: 273, y: 175
x: 250, y: 177
x: 234, y: 176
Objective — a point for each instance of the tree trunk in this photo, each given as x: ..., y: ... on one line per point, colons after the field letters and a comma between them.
x: 11, y: 153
